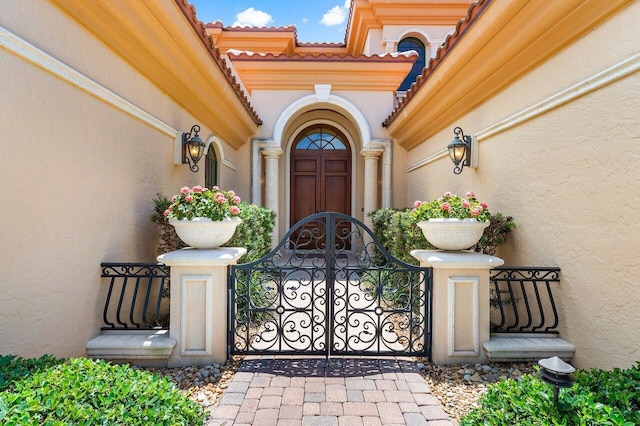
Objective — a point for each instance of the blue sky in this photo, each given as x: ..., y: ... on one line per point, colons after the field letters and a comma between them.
x: 316, y: 20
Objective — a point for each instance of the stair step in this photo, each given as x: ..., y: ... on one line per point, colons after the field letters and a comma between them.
x: 527, y: 348
x: 149, y: 347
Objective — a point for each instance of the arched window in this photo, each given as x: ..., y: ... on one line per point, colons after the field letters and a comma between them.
x: 211, y: 168
x: 412, y: 43
x: 319, y: 137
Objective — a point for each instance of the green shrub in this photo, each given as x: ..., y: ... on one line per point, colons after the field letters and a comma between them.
x: 398, y: 232
x: 254, y: 233
x: 596, y: 398
x: 14, y: 368
x: 84, y: 392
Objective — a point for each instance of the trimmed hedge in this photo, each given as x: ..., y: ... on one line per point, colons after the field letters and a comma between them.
x: 254, y: 233
x: 597, y: 398
x: 86, y: 392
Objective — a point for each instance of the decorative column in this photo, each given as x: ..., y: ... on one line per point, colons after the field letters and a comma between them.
x: 460, y: 315
x: 198, y: 318
x: 370, y: 182
x: 271, y: 196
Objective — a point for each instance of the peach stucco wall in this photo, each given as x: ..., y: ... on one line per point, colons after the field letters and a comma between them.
x: 78, y: 178
x: 570, y: 179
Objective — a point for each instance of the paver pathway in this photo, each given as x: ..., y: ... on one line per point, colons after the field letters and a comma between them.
x: 335, y: 392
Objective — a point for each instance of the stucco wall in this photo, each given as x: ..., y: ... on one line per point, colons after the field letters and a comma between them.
x: 78, y: 179
x: 570, y: 178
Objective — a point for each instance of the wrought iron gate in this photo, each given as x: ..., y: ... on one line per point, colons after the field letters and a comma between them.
x: 330, y: 288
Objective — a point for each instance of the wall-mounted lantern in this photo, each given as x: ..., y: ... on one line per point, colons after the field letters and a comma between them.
x: 557, y: 373
x: 192, y: 148
x: 460, y: 150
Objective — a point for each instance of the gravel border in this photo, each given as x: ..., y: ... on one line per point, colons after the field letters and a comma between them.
x: 458, y: 387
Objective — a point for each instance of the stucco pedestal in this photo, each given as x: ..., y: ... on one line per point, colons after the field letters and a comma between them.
x: 199, y: 304
x: 460, y: 304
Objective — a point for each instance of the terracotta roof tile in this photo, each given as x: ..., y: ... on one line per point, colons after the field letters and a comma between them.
x: 237, y: 55
x: 189, y: 12
x: 475, y: 10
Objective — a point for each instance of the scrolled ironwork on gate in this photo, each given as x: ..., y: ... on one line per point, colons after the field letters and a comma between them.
x: 330, y: 288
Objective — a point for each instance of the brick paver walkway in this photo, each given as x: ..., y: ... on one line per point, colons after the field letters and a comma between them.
x: 335, y: 392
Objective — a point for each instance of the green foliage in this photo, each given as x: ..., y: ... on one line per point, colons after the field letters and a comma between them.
x: 86, y: 392
x: 254, y: 233
x: 495, y: 234
x: 398, y: 233
x: 161, y: 204
x: 14, y: 368
x: 597, y: 398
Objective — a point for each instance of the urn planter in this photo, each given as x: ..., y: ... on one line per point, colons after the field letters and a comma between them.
x: 452, y: 234
x: 204, y: 233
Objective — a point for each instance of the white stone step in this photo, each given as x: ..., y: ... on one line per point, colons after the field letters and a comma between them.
x: 527, y: 347
x: 143, y: 347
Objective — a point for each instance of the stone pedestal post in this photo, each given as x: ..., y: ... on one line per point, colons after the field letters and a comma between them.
x: 461, y: 320
x: 271, y: 186
x: 199, y: 304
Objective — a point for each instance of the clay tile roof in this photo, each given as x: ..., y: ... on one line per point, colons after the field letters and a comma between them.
x: 315, y: 44
x: 475, y: 10
x: 243, y: 55
x: 189, y: 12
x: 288, y: 29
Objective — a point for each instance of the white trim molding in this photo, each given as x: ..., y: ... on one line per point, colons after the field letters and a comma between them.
x: 597, y: 81
x: 48, y: 63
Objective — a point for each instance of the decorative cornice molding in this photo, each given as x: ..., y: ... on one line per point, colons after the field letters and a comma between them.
x: 37, y: 57
x: 595, y: 82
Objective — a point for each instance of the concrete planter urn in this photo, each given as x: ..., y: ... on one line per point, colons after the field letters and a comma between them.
x: 452, y: 234
x: 204, y: 233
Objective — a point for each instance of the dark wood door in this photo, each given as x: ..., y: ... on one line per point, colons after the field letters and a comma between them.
x: 320, y: 178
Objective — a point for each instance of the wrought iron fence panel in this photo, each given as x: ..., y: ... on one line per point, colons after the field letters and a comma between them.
x: 134, y: 296
x: 330, y: 288
x: 523, y: 300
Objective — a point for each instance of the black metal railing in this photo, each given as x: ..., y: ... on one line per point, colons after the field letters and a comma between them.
x: 522, y: 300
x: 134, y: 298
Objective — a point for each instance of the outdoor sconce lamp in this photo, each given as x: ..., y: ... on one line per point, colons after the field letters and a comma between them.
x: 557, y: 373
x: 460, y: 150
x: 192, y: 148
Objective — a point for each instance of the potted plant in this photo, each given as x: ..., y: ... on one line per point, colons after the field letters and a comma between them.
x: 204, y: 218
x: 452, y: 222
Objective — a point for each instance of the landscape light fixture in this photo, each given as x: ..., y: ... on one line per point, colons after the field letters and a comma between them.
x: 460, y: 150
x: 192, y: 148
x: 557, y: 373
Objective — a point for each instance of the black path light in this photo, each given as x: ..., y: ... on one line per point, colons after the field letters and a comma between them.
x: 557, y: 373
x: 192, y: 148
x: 460, y: 150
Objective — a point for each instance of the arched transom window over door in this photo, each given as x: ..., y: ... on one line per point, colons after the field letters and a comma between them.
x: 320, y: 173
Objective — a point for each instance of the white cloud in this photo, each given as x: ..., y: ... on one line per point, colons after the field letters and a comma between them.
x: 336, y: 16
x: 347, y: 4
x: 252, y: 18
x: 305, y: 20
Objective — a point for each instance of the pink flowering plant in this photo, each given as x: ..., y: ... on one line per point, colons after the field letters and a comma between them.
x: 451, y: 206
x: 215, y: 204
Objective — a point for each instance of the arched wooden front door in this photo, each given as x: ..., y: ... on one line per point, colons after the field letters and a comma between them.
x: 320, y: 173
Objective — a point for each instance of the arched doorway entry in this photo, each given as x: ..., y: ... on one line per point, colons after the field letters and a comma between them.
x: 320, y: 173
